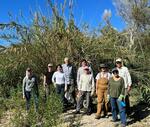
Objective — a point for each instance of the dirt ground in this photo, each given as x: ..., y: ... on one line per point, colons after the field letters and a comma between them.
x: 140, y: 117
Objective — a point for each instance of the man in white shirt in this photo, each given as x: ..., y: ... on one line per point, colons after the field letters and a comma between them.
x: 124, y: 73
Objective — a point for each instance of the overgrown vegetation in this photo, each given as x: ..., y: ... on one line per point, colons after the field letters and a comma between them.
x: 49, y: 39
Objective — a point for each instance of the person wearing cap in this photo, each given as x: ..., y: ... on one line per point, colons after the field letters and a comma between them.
x: 116, y: 90
x: 124, y: 73
x: 102, y: 79
x: 30, y: 89
x: 86, y: 89
x: 70, y: 75
x: 59, y: 81
x: 81, y: 71
x: 48, y: 80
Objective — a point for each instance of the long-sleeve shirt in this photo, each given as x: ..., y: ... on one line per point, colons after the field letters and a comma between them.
x: 124, y: 73
x: 69, y: 72
x: 116, y: 88
x: 86, y: 82
x: 81, y: 71
x: 29, y: 84
x: 59, y: 78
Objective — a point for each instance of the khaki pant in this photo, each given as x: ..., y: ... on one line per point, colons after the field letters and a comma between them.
x: 102, y: 99
x: 102, y: 96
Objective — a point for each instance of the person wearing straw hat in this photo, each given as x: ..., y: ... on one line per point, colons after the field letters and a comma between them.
x: 124, y: 73
x: 86, y: 89
x: 102, y: 79
x: 48, y: 80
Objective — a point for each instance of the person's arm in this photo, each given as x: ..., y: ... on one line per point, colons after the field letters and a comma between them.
x: 122, y: 95
x: 93, y: 86
x: 78, y: 76
x: 54, y: 79
x: 97, y: 77
x: 74, y: 74
x: 129, y: 81
x: 80, y: 83
x: 23, y: 87
x: 44, y: 80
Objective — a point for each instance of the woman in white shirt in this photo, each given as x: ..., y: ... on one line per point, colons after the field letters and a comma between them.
x: 86, y: 88
x: 59, y: 81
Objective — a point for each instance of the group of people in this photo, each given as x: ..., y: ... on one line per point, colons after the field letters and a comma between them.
x: 109, y: 86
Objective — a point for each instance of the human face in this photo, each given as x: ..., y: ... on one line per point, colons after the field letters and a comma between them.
x: 59, y: 68
x: 119, y: 64
x: 29, y: 73
x: 116, y: 74
x: 67, y: 61
x: 86, y: 71
x: 84, y: 63
x: 103, y: 69
x: 49, y: 68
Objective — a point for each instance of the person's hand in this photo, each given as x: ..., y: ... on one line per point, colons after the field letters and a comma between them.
x: 129, y: 88
x: 54, y: 84
x: 108, y: 97
x: 121, y: 97
x: 66, y: 88
x: 96, y: 92
x: 23, y: 97
x: 92, y: 93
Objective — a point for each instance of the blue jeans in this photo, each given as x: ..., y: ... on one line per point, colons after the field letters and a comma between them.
x: 114, y: 105
x: 60, y: 90
x: 28, y: 99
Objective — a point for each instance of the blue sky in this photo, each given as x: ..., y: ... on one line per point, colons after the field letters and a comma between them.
x: 85, y: 11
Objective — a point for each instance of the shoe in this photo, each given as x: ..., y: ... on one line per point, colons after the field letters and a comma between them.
x: 115, y: 120
x: 88, y: 113
x: 107, y: 116
x: 97, y: 117
x: 123, y: 125
x: 77, y: 112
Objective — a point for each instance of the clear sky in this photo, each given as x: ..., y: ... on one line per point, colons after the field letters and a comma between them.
x: 88, y: 11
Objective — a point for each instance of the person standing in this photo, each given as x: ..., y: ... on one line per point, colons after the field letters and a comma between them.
x: 59, y: 81
x: 81, y: 71
x: 102, y: 80
x: 30, y: 88
x: 86, y: 89
x: 124, y: 73
x: 48, y: 80
x: 116, y: 90
x: 70, y: 75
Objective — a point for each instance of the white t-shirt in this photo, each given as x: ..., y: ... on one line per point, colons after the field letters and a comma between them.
x: 105, y: 75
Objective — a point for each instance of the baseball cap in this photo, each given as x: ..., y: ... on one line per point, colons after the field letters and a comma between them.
x: 118, y: 60
x: 50, y: 65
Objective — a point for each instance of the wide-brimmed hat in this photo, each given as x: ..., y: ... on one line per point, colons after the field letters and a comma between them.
x: 103, y: 66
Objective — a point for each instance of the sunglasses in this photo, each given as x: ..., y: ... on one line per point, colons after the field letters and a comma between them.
x: 118, y: 62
